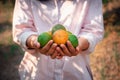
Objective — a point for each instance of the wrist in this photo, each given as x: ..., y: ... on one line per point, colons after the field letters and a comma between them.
x: 30, y: 41
x: 83, y: 44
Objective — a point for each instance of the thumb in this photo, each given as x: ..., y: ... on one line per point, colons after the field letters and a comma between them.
x: 36, y: 44
x: 78, y: 49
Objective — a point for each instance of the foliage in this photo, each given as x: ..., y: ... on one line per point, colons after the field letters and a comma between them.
x: 105, y: 1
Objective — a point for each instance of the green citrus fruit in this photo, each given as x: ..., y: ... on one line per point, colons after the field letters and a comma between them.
x: 73, y: 39
x: 69, y: 32
x: 44, y: 38
x: 50, y: 33
x: 57, y: 27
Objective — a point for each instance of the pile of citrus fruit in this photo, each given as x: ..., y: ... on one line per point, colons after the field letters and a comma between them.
x: 59, y: 35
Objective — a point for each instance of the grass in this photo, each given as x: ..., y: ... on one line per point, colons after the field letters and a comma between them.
x: 116, y: 53
x: 102, y: 73
x: 6, y: 12
x: 110, y: 28
x: 10, y: 53
x: 8, y: 48
x: 107, y: 56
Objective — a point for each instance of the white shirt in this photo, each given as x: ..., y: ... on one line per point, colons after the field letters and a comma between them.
x: 82, y: 17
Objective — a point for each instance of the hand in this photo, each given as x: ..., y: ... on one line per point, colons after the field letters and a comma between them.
x: 49, y: 49
x: 68, y: 50
x: 32, y: 42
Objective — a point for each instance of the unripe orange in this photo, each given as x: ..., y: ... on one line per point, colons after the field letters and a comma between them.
x: 44, y: 38
x: 57, y: 27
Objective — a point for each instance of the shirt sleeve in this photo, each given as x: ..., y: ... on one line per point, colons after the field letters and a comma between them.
x: 23, y: 25
x: 93, y: 28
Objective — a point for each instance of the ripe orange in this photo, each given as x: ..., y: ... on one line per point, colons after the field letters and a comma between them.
x: 60, y: 36
x: 43, y: 38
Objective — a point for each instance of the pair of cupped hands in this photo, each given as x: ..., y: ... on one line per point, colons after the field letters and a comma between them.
x: 52, y: 49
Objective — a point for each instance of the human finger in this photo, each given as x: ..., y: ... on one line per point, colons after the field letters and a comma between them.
x: 59, y: 57
x: 46, y: 47
x: 59, y: 50
x: 36, y: 44
x: 52, y: 49
x: 65, y: 50
x: 70, y: 47
x: 53, y: 56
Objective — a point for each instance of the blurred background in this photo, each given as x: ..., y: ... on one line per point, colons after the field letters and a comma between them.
x: 105, y: 60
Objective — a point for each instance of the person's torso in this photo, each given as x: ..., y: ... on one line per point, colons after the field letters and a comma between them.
x: 71, y: 14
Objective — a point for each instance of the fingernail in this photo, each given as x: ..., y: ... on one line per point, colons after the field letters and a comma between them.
x: 37, y: 45
x: 51, y: 40
x: 55, y: 44
x: 61, y: 45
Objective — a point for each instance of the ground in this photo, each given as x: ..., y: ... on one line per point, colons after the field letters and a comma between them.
x: 105, y: 60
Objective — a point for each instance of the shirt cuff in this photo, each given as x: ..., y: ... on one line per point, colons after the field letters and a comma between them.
x: 92, y: 41
x: 24, y: 36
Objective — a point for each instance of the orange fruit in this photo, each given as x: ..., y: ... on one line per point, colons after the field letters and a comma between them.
x: 44, y: 38
x: 57, y: 27
x: 60, y: 36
